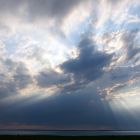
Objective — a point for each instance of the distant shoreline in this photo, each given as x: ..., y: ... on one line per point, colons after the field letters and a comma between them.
x: 76, y: 133
x: 40, y: 137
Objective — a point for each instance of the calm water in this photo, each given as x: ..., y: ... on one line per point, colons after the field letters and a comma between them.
x: 68, y: 133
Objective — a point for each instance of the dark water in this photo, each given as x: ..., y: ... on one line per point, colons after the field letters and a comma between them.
x: 69, y: 133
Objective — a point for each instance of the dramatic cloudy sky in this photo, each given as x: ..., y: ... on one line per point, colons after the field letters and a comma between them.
x: 70, y: 64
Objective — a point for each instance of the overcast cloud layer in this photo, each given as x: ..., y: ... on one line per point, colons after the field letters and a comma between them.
x: 70, y: 64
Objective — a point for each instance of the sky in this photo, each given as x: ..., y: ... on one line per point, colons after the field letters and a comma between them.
x: 70, y: 64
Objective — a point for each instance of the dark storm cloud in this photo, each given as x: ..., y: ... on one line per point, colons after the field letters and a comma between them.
x: 36, y: 9
x: 88, y: 66
x: 82, y: 110
x: 8, y: 6
x: 51, y: 78
x: 9, y: 64
x: 19, y: 78
x: 7, y: 88
x: 51, y: 8
x: 19, y: 72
